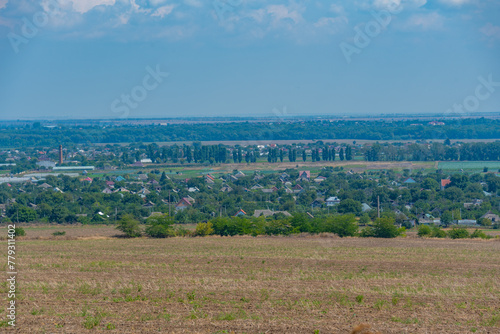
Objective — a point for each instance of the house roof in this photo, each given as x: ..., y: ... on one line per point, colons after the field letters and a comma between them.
x: 258, y: 213
x: 445, y: 182
x: 240, y: 212
x: 184, y: 202
x: 305, y: 173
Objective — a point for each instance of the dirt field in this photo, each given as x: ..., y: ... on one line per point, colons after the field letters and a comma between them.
x: 256, y: 285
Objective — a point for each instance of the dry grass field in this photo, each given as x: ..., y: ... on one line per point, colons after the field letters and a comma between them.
x: 256, y: 285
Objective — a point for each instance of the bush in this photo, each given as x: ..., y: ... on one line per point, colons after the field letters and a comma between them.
x: 58, y: 233
x: 437, y: 232
x: 458, y: 233
x: 367, y: 232
x: 479, y: 234
x: 344, y: 226
x: 204, y: 229
x: 276, y: 227
x: 19, y: 232
x: 160, y: 226
x: 130, y: 226
x: 385, y: 228
x: 424, y: 231
x: 484, y: 222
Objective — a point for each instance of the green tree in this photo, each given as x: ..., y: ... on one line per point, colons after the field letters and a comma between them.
x: 385, y: 228
x: 349, y: 206
x: 458, y: 233
x: 204, y: 229
x: 130, y: 226
x: 424, y: 231
x: 446, y: 218
x: 160, y: 226
x: 344, y: 226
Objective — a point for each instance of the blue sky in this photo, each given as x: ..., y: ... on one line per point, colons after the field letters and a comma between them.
x: 110, y: 58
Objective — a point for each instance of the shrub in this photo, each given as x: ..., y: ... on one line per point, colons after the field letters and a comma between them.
x: 479, y: 234
x: 181, y: 231
x: 485, y: 222
x: 276, y: 227
x: 57, y: 233
x: 344, y: 226
x: 424, y: 231
x: 385, y: 228
x: 367, y: 232
x: 204, y: 229
x: 458, y: 233
x: 437, y: 232
x: 160, y: 226
x: 130, y: 226
x: 19, y: 232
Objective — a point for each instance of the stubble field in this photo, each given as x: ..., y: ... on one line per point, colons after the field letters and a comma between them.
x: 257, y: 285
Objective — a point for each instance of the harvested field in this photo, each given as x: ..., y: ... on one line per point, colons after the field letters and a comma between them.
x: 257, y: 285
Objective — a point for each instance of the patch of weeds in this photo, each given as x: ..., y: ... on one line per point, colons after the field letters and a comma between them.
x: 191, y: 295
x: 264, y: 294
x: 37, y: 312
x: 125, y: 291
x: 494, y: 320
x: 87, y: 289
x: 379, y: 304
x: 165, y: 316
x: 359, y: 299
x: 225, y: 316
x: 244, y: 300
x: 91, y: 322
x: 409, y: 303
x: 110, y: 326
x: 410, y: 321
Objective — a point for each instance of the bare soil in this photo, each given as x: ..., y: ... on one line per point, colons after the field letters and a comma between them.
x: 256, y: 285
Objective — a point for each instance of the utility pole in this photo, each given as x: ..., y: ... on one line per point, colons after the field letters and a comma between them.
x: 378, y: 206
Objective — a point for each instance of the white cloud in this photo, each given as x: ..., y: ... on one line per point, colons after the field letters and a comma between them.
x: 83, y: 6
x: 390, y: 4
x: 156, y: 3
x: 491, y: 31
x: 425, y: 21
x: 282, y: 12
x: 331, y: 24
x: 3, y: 3
x: 337, y: 9
x: 455, y: 2
x: 163, y: 11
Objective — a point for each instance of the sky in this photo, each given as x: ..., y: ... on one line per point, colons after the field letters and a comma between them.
x: 118, y: 59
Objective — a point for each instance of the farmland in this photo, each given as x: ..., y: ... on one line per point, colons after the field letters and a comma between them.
x: 253, y: 285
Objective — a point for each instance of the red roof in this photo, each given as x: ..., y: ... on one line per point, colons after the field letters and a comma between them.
x: 240, y: 211
x: 445, y: 182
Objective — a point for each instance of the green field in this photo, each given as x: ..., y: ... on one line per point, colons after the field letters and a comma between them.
x: 476, y: 166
